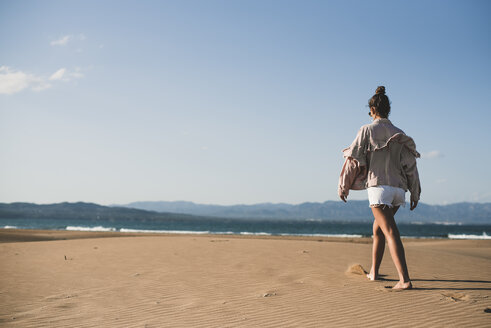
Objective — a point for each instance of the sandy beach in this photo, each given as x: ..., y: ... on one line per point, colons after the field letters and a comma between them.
x: 84, y: 279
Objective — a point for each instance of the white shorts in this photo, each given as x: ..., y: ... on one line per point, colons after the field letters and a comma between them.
x: 386, y: 195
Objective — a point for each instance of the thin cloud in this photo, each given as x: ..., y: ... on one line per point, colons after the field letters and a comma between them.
x: 13, y: 81
x: 58, y: 75
x: 65, y: 75
x: 434, y: 154
x: 61, y: 41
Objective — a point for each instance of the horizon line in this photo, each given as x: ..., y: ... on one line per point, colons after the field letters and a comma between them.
x: 215, y: 204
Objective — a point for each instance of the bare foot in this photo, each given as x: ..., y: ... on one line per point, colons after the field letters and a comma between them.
x: 403, y: 285
x: 372, y: 276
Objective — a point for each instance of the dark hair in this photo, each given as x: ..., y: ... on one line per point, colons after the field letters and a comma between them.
x: 381, y: 102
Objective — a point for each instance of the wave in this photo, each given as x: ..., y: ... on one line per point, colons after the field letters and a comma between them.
x: 464, y: 236
x: 423, y: 237
x: 244, y: 233
x: 445, y: 223
x: 344, y: 231
x: 168, y: 231
x: 98, y: 228
x: 255, y: 233
x: 340, y: 235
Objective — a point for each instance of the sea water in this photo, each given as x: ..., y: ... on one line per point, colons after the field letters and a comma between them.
x: 308, y: 227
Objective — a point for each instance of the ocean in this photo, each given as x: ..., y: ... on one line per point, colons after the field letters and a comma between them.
x: 308, y: 227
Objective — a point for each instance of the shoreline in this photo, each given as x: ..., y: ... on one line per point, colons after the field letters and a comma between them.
x: 30, y: 235
x: 27, y: 229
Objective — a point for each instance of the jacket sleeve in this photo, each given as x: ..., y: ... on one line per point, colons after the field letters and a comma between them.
x: 408, y: 162
x: 359, y: 147
x: 351, y: 177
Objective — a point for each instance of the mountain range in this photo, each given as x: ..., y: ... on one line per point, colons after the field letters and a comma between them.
x: 469, y: 213
x: 353, y: 211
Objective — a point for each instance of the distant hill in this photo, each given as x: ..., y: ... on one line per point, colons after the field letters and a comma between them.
x: 83, y: 211
x: 476, y: 213
x: 353, y: 211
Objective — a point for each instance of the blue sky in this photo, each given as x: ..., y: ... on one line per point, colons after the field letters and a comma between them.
x: 230, y: 102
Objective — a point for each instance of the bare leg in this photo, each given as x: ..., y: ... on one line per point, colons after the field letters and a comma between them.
x: 378, y: 248
x: 384, y: 217
x: 377, y: 251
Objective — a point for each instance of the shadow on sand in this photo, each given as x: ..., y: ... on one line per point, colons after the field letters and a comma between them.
x: 446, y: 280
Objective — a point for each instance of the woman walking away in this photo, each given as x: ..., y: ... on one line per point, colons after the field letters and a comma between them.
x: 382, y: 159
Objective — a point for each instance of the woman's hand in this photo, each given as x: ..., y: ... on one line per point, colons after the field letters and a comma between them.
x: 343, y: 198
x: 414, y: 203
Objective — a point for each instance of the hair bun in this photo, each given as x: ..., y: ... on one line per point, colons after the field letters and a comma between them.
x: 380, y: 90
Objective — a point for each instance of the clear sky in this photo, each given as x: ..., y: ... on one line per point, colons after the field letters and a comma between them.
x: 236, y: 102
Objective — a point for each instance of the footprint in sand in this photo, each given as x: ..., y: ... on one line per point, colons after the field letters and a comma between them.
x: 456, y: 297
x: 59, y: 297
x: 269, y: 294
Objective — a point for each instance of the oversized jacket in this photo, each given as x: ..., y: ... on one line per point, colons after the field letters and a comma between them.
x: 381, y: 154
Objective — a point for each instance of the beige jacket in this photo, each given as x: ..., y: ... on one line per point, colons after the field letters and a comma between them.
x: 381, y: 154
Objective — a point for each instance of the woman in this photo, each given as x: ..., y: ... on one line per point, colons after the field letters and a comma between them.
x: 382, y: 159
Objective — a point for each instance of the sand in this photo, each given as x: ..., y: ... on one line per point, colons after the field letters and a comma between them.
x: 74, y: 279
